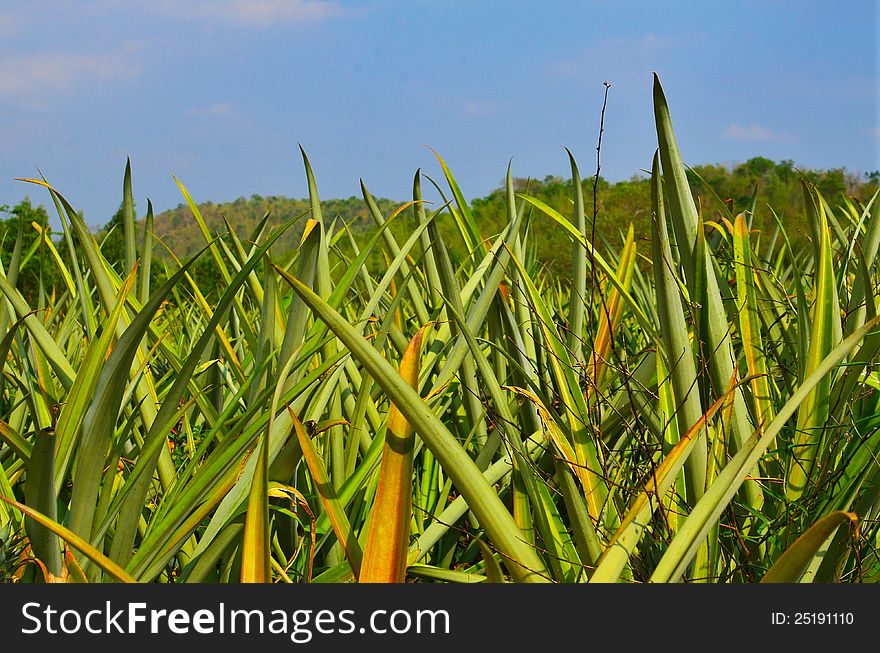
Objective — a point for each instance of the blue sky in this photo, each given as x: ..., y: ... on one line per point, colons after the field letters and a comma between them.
x: 219, y: 93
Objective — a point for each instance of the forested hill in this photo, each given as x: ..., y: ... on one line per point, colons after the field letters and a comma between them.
x: 179, y: 231
x: 715, y: 187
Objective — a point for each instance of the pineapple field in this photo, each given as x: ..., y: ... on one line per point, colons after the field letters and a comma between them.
x: 696, y: 405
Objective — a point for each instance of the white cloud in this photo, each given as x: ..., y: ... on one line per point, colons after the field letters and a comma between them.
x: 872, y: 132
x: 756, y: 133
x: 256, y: 13
x: 480, y: 107
x: 616, y: 57
x: 468, y: 106
x: 9, y: 24
x: 216, y: 109
x: 23, y: 76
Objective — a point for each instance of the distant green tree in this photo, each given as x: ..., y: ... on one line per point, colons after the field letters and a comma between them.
x: 37, y: 265
x: 756, y: 168
x: 111, y: 238
x: 778, y: 185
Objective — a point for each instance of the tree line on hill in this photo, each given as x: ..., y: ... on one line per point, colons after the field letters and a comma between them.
x: 719, y: 190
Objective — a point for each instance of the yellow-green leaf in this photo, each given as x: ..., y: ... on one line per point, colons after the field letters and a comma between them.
x: 385, y: 550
